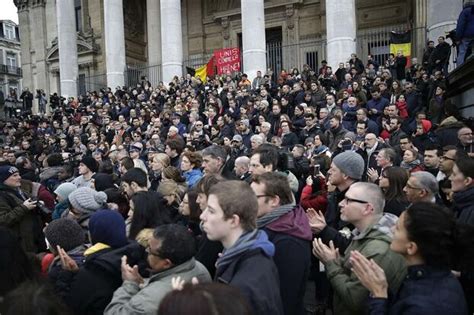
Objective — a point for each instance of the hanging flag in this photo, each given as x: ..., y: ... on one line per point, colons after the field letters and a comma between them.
x: 401, y: 42
x: 227, y: 60
x: 204, y: 71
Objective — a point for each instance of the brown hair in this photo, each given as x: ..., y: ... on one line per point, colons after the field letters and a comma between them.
x: 276, y: 185
x: 194, y: 158
x: 228, y: 192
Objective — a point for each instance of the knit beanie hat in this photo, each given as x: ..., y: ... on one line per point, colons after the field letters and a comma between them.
x: 64, y: 190
x: 91, y: 163
x: 108, y: 227
x: 350, y: 163
x: 85, y: 199
x: 7, y: 171
x: 66, y: 233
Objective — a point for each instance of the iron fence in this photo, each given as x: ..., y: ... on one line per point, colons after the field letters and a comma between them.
x: 279, y: 57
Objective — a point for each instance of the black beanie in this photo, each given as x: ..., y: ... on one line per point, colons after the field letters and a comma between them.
x: 91, y: 163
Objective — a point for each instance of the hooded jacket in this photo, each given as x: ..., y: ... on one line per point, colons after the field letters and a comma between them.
x: 130, y: 299
x: 255, y: 274
x: 374, y: 243
x: 95, y: 283
x: 291, y: 233
x: 192, y: 177
x: 447, y: 132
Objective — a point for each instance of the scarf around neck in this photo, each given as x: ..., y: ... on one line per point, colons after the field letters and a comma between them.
x: 274, y: 215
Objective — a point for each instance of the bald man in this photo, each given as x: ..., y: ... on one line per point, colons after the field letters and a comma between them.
x: 241, y: 168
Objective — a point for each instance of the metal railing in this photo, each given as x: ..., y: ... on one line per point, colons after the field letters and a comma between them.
x: 6, y: 69
x: 279, y: 56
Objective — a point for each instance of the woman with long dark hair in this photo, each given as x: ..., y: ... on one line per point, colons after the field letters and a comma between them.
x: 433, y: 244
x: 391, y: 181
x: 146, y: 214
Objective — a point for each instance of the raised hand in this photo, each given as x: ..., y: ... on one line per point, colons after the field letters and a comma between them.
x: 370, y: 274
x: 324, y: 253
x: 66, y: 261
x: 317, y: 222
x: 130, y: 273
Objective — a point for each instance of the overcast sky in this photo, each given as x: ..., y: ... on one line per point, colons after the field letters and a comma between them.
x: 8, y: 11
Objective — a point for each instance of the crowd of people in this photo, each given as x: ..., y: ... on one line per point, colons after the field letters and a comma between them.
x: 294, y: 193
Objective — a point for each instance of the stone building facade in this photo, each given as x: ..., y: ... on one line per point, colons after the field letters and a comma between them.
x: 10, y: 58
x: 117, y: 41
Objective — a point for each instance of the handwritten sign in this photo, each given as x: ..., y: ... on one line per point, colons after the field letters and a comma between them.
x: 227, y: 60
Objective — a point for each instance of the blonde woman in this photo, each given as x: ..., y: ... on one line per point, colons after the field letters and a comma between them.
x: 157, y: 165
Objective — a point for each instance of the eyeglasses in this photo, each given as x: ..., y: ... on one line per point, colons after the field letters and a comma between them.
x: 447, y: 158
x: 347, y: 200
x: 412, y: 187
x: 149, y: 252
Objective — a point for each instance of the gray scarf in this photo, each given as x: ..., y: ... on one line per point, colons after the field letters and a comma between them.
x: 274, y: 215
x: 244, y: 242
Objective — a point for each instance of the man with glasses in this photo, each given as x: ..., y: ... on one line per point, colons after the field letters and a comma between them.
x: 421, y: 186
x: 369, y: 150
x: 465, y: 141
x: 171, y: 253
x: 288, y: 229
x: 362, y: 206
x: 346, y: 169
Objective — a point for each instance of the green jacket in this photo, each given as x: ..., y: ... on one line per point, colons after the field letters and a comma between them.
x: 26, y: 224
x: 350, y: 296
x: 130, y: 299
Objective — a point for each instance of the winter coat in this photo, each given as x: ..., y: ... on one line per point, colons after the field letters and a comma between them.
x: 25, y: 223
x: 291, y: 233
x: 130, y: 298
x: 350, y: 295
x: 464, y: 205
x: 49, y: 177
x: 465, y: 25
x: 425, y: 290
x: 334, y: 136
x: 255, y: 274
x: 289, y: 140
x: 60, y: 278
x: 447, y: 132
x: 95, y: 283
x: 192, y: 177
x: 319, y: 201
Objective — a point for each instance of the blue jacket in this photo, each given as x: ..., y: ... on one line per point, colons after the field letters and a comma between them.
x: 426, y: 290
x: 192, y: 177
x: 465, y: 26
x: 379, y: 105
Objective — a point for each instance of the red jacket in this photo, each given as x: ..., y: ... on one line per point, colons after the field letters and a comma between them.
x: 317, y: 202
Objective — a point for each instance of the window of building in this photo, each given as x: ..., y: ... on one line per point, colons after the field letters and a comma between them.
x: 11, y: 60
x: 78, y: 13
x: 9, y: 31
x: 312, y: 60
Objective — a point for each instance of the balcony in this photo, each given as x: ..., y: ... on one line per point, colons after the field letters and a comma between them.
x: 5, y: 69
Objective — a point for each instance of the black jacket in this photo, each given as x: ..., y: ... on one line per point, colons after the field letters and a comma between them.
x: 426, y: 290
x: 292, y: 279
x: 94, y: 285
x: 256, y: 276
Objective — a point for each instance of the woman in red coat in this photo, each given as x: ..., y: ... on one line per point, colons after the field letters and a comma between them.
x: 314, y: 194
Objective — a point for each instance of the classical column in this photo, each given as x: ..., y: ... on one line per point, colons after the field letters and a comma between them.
x: 67, y: 44
x: 419, y: 31
x: 253, y: 37
x: 442, y: 17
x: 114, y: 43
x: 153, y: 39
x: 341, y: 39
x: 171, y: 39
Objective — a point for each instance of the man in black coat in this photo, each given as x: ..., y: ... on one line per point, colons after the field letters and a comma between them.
x: 27, y: 99
x: 288, y: 229
x: 439, y: 59
x: 246, y: 262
